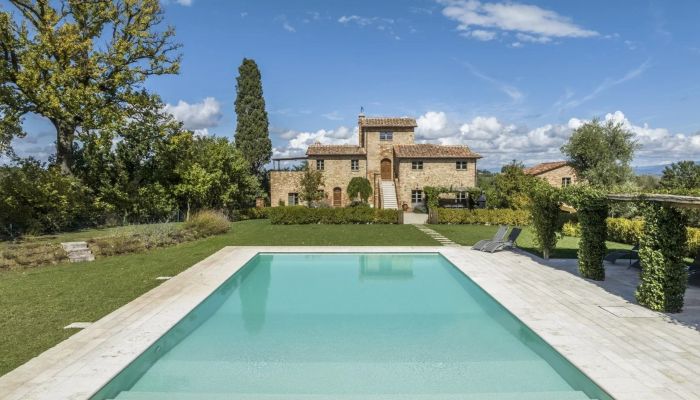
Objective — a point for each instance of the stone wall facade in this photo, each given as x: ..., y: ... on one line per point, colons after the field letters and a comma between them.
x: 337, y: 173
x: 435, y: 172
x: 555, y: 176
x: 281, y: 184
x: 377, y: 149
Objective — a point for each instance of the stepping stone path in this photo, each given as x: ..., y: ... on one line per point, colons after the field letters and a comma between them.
x: 443, y: 240
x: 78, y: 251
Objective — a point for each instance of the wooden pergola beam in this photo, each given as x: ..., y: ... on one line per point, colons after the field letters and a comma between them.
x: 670, y: 199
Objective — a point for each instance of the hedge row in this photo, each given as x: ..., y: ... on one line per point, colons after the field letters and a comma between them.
x: 623, y: 230
x: 483, y: 216
x: 292, y: 215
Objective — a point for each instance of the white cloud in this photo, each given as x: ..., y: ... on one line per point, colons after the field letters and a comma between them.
x: 333, y: 116
x: 299, y: 141
x: 205, y: 114
x: 539, y: 24
x: 513, y: 92
x: 607, y: 84
x: 500, y: 142
x: 185, y: 3
x: 523, y: 37
x: 381, y: 24
x: 431, y: 124
x: 480, y: 34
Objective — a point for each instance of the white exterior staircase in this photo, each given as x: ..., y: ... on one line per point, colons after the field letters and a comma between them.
x: 388, y: 191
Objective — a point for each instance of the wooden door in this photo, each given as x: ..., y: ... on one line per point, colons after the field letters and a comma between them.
x: 386, y: 169
x: 337, y: 197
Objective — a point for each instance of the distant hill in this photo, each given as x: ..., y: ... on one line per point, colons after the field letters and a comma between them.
x: 652, y: 169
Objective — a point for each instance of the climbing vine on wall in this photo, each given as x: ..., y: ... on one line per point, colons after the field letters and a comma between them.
x: 544, y: 209
x: 592, y: 210
x: 664, y: 277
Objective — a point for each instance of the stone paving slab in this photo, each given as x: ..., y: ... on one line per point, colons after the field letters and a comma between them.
x: 631, y: 352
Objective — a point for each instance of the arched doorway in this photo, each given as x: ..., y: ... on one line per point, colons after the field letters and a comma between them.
x: 337, y: 197
x: 386, y: 169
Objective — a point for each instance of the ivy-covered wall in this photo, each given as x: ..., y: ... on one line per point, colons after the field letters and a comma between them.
x: 664, y: 277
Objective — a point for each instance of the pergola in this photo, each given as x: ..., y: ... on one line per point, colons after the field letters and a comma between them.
x: 667, y: 199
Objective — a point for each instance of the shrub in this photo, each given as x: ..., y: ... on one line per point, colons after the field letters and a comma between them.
x: 255, y: 213
x: 664, y: 278
x: 207, y: 223
x: 592, y: 208
x: 544, y: 208
x: 36, y: 200
x: 31, y: 254
x: 350, y: 215
x: 571, y: 229
x: 503, y: 216
x: 361, y: 187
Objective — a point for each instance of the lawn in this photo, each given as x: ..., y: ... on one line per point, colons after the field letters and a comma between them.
x: 37, y: 303
x: 567, y: 246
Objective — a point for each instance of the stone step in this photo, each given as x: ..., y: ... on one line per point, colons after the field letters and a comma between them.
x: 74, y: 246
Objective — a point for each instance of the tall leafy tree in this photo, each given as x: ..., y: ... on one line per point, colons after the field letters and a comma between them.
x: 80, y: 64
x: 681, y: 175
x: 601, y: 152
x: 252, y: 133
x: 310, y: 186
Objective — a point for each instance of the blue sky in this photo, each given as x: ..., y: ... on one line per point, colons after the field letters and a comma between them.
x: 509, y: 79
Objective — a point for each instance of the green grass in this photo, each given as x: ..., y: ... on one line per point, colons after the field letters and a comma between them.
x: 567, y: 246
x: 37, y: 303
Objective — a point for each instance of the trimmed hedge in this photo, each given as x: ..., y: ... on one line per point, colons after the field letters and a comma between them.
x: 504, y: 216
x: 664, y: 278
x: 623, y: 230
x: 300, y: 215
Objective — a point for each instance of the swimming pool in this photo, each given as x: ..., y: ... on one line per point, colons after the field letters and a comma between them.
x: 356, y: 326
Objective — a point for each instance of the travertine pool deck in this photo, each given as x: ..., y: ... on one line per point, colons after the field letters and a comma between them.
x: 629, y: 351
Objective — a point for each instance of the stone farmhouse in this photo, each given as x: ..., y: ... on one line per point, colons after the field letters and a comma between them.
x: 556, y: 173
x: 397, y: 168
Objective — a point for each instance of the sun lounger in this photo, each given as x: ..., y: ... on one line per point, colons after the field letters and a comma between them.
x: 504, y: 244
x: 498, y: 237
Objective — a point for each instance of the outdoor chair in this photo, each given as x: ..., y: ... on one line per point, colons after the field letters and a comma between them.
x: 504, y: 244
x: 632, y: 254
x: 498, y: 237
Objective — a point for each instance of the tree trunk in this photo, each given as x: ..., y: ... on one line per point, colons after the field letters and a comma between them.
x: 65, y: 135
x: 187, y: 217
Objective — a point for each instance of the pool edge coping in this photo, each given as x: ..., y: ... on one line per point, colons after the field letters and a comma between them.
x: 79, y: 366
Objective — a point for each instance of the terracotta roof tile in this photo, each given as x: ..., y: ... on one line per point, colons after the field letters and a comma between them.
x: 384, y: 122
x: 544, y: 167
x: 317, y: 149
x: 433, y: 151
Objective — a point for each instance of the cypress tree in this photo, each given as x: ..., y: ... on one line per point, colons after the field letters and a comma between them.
x: 252, y: 134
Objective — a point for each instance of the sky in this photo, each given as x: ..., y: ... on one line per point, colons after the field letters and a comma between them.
x: 509, y: 79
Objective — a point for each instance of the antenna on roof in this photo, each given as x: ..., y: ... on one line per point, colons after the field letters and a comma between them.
x: 362, y: 111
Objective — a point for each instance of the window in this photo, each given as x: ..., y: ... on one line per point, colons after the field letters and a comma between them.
x: 386, y: 136
x: 566, y: 181
x: 293, y: 199
x: 416, y: 196
x: 417, y: 165
x: 461, y: 165
x: 320, y: 164
x: 354, y: 165
x: 461, y: 197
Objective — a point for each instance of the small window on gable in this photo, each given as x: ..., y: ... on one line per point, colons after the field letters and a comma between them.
x: 292, y: 199
x: 320, y: 165
x: 461, y: 165
x: 566, y: 181
x: 386, y: 136
x: 354, y: 165
x: 418, y: 165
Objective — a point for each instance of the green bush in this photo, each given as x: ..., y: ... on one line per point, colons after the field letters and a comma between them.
x: 546, y: 216
x: 629, y: 231
x: 503, y: 216
x: 351, y: 215
x: 592, y: 206
x: 207, y: 223
x: 664, y: 277
x: 37, y: 200
x: 255, y: 213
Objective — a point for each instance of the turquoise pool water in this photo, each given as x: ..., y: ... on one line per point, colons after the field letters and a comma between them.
x: 350, y: 326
